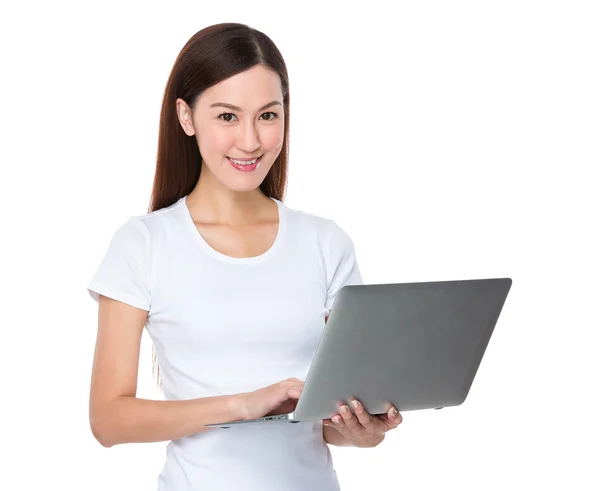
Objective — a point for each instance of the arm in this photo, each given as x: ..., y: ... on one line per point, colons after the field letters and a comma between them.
x: 116, y: 415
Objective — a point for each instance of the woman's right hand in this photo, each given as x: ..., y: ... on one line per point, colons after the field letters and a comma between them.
x: 279, y: 398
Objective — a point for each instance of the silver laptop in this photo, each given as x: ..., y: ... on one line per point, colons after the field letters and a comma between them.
x: 410, y: 345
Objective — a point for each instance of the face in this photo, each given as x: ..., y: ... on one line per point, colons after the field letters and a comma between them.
x: 239, y: 118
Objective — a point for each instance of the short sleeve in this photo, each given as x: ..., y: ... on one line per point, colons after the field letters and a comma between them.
x: 341, y: 264
x: 124, y: 271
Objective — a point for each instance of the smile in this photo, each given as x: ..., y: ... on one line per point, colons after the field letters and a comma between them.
x: 245, y: 165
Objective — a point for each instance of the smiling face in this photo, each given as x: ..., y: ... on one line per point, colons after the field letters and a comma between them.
x: 240, y: 118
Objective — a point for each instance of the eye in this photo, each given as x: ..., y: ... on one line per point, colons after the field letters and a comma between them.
x: 226, y: 114
x: 274, y: 116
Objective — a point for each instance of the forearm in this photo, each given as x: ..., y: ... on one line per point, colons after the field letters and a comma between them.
x: 134, y: 420
x: 332, y: 436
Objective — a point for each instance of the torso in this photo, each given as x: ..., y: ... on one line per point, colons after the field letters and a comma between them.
x: 228, y: 326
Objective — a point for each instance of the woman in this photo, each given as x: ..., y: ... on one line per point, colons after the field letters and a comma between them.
x: 232, y: 285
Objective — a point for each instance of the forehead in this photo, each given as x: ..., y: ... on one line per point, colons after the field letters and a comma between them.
x: 249, y: 89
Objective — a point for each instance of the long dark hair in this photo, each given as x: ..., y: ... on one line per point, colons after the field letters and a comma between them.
x: 210, y: 56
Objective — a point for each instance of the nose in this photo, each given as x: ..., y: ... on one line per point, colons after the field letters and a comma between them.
x: 248, y: 138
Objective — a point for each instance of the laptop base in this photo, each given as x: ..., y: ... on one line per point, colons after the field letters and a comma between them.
x: 282, y: 418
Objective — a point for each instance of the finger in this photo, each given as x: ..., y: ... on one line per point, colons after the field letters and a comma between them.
x: 329, y: 421
x: 350, y: 420
x: 363, y: 417
x: 338, y: 422
x: 395, y: 416
x: 392, y: 418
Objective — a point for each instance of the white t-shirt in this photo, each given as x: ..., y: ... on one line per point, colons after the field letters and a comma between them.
x: 224, y: 325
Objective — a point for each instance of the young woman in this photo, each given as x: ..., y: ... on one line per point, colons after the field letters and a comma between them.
x: 232, y: 286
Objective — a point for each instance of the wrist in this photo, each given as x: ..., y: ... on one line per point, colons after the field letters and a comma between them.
x: 237, y: 406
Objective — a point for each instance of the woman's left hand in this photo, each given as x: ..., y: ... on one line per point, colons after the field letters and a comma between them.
x: 361, y: 428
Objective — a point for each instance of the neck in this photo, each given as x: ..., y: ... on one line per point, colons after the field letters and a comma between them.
x: 211, y: 202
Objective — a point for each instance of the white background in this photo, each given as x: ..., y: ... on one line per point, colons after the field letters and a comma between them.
x: 451, y: 140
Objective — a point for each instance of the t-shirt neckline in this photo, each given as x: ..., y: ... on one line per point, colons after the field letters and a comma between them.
x: 199, y: 240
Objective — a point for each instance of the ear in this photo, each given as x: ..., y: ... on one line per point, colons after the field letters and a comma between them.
x: 184, y: 114
x: 327, y: 317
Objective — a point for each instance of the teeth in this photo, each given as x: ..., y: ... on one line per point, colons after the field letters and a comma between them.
x: 250, y: 162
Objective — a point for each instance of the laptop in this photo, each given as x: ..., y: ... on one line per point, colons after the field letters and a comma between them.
x: 410, y: 345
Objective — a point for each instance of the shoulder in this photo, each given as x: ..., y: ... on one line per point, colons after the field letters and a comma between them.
x: 162, y: 216
x: 328, y: 230
x: 150, y: 226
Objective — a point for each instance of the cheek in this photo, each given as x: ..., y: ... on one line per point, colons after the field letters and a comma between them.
x: 211, y: 141
x: 272, y: 138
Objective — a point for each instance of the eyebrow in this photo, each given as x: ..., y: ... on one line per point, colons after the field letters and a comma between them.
x: 236, y: 108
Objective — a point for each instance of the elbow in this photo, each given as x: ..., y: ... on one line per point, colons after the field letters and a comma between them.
x: 101, y: 435
x: 101, y: 428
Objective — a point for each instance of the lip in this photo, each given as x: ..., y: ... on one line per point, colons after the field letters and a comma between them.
x: 245, y: 160
x: 246, y: 167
